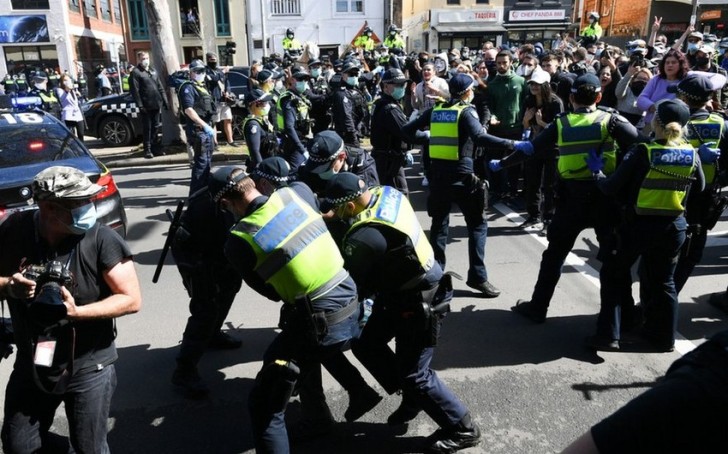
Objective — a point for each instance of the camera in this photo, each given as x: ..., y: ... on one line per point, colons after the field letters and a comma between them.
x: 47, y: 308
x: 637, y: 59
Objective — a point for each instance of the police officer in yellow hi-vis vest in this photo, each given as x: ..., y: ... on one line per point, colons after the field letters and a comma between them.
x: 365, y: 40
x: 283, y: 250
x: 394, y: 41
x: 707, y: 132
x: 580, y: 204
x: 388, y: 255
x: 292, y: 48
x: 294, y: 119
x: 655, y: 179
x: 592, y: 32
x: 49, y: 100
x: 454, y: 133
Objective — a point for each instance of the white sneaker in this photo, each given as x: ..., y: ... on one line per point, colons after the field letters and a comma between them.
x: 425, y: 183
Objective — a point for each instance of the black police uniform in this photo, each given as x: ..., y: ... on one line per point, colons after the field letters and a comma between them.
x: 455, y: 182
x: 261, y: 139
x: 210, y: 280
x: 296, y: 127
x: 388, y: 144
x: 349, y: 109
x: 704, y: 208
x: 194, y: 95
x: 320, y: 97
x: 579, y: 205
x: 9, y: 85
x: 50, y: 103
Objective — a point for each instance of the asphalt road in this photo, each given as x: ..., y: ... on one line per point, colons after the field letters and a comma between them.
x: 531, y: 388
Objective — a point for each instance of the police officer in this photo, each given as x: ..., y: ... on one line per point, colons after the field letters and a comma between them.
x: 320, y: 96
x: 394, y: 40
x: 53, y: 78
x: 294, y: 122
x: 210, y: 280
x: 386, y: 252
x: 292, y: 48
x: 22, y: 84
x: 270, y: 82
x: 47, y: 96
x: 708, y: 134
x: 365, y: 41
x: 260, y: 136
x: 592, y: 32
x: 388, y: 145
x: 125, y: 79
x: 198, y: 107
x: 580, y: 204
x: 656, y: 178
x: 321, y: 309
x: 348, y: 105
x: 149, y: 96
x: 455, y: 131
x: 9, y: 85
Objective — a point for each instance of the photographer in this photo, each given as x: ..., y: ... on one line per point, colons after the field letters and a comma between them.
x: 219, y: 87
x: 64, y: 333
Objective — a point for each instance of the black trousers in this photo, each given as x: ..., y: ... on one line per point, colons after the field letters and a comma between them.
x: 151, y: 127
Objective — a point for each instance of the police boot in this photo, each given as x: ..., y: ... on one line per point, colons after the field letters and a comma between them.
x: 188, y: 382
x: 464, y: 434
x: 310, y: 428
x: 406, y: 412
x: 224, y: 341
x: 361, y: 402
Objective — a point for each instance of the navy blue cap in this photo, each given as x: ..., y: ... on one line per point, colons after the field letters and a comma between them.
x: 325, y: 146
x: 672, y: 110
x: 695, y: 87
x: 221, y: 183
x: 586, y: 80
x: 460, y: 83
x: 274, y: 169
x: 343, y: 187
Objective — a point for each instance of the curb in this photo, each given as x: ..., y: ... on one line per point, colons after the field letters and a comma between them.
x: 117, y: 161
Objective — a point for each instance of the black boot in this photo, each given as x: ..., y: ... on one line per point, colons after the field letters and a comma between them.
x: 464, y: 434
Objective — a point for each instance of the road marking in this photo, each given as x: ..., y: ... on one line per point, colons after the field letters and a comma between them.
x: 682, y: 345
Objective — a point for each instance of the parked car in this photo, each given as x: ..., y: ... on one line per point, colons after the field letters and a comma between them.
x: 32, y: 140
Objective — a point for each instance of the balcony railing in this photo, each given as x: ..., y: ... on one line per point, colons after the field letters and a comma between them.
x: 285, y: 7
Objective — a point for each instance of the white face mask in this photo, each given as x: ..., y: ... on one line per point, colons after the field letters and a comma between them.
x: 198, y: 77
x: 265, y: 110
x: 41, y: 85
x: 68, y: 83
x: 145, y: 63
x: 471, y: 96
x: 279, y: 85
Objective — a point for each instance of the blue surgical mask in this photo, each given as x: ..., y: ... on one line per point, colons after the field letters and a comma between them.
x: 84, y: 217
x: 315, y: 72
x: 692, y: 47
x: 329, y: 174
x: 352, y: 80
x: 398, y: 93
x: 301, y: 86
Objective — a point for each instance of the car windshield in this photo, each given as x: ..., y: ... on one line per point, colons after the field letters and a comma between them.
x: 25, y: 143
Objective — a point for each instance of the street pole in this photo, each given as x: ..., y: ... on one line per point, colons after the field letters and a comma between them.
x: 262, y: 26
x: 694, y: 15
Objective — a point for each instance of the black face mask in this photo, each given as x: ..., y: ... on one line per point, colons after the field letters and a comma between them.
x: 490, y: 65
x: 637, y: 87
x: 212, y: 64
x: 703, y: 61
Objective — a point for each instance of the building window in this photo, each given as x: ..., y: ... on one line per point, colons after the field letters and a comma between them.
x: 480, y: 2
x: 105, y: 10
x: 89, y: 8
x: 74, y: 5
x: 30, y: 4
x: 222, y: 18
x: 349, y: 6
x: 28, y: 58
x: 90, y: 53
x: 285, y: 7
x: 190, y: 18
x: 453, y: 2
x: 117, y: 11
x: 138, y: 20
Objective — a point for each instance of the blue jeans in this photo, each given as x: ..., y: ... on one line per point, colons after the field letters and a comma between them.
x: 472, y: 204
x: 29, y: 412
x: 203, y: 146
x: 658, y: 241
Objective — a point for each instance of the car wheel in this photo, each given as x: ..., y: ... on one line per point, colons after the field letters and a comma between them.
x: 115, y: 131
x: 238, y: 122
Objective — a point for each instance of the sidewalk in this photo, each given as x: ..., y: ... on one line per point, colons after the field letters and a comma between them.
x: 133, y: 156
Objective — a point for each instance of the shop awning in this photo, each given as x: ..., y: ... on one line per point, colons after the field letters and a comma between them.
x: 537, y: 25
x: 450, y: 27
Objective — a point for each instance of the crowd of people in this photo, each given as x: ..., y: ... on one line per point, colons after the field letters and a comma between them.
x: 629, y: 142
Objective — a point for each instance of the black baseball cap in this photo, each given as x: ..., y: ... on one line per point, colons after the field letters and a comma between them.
x: 343, y: 187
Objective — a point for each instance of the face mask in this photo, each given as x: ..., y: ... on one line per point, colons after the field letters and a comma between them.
x: 279, y: 85
x: 392, y: 33
x: 290, y: 36
x: 198, y: 77
x: 84, y: 217
x: 703, y: 61
x: 301, y: 86
x: 692, y: 47
x: 329, y: 174
x: 593, y: 21
x: 352, y: 80
x: 490, y: 65
x: 68, y: 84
x: 471, y: 96
x: 398, y: 93
x: 212, y: 64
x: 369, y: 35
x: 265, y: 110
x: 598, y: 53
x: 637, y: 87
x: 527, y: 70
x: 145, y: 63
x: 41, y: 86
x: 316, y: 72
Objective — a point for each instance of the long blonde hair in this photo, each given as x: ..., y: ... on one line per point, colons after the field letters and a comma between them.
x: 673, y: 132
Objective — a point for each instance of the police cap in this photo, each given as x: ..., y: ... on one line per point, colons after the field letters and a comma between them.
x: 672, y: 110
x: 325, y: 147
x: 459, y: 84
x: 694, y: 87
x: 394, y: 76
x: 197, y: 65
x: 343, y: 187
x: 586, y: 80
x: 274, y: 169
x: 221, y: 183
x: 257, y: 95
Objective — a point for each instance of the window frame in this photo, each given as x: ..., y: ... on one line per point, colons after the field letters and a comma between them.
x: 86, y: 10
x: 36, y: 4
x: 222, y: 8
x: 349, y: 4
x: 142, y: 19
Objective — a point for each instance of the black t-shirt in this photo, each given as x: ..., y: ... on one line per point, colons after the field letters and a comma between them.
x: 86, y: 256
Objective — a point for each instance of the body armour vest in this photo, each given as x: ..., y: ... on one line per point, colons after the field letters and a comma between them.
x: 665, y: 186
x: 578, y: 134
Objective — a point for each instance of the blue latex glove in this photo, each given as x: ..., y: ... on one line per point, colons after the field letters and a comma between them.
x: 709, y: 153
x: 409, y: 160
x: 494, y: 165
x: 524, y: 146
x: 593, y: 162
x: 209, y: 131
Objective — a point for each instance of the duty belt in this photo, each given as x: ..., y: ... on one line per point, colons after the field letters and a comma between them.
x: 339, y: 315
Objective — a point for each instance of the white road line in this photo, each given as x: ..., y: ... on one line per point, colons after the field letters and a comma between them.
x: 682, y: 345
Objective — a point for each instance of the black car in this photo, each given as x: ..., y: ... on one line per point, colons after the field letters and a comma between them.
x: 115, y: 118
x: 30, y: 141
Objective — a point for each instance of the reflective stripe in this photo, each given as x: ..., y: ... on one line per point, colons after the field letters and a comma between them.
x: 674, y: 185
x: 444, y: 141
x: 280, y: 257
